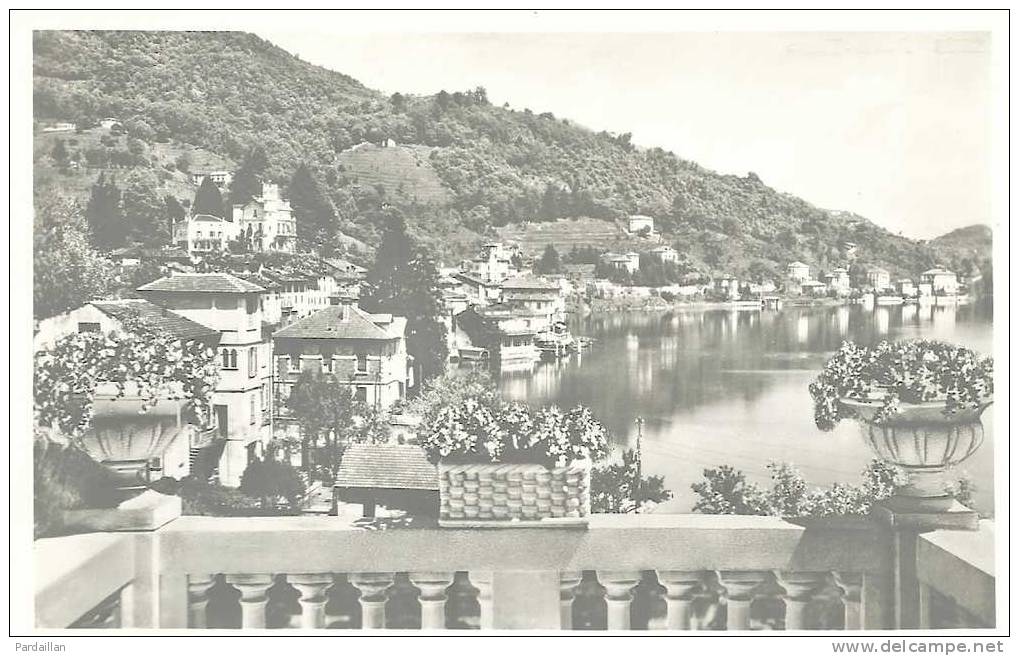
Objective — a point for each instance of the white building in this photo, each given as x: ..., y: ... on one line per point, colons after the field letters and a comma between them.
x: 242, y: 401
x: 204, y: 234
x: 942, y: 281
x: 838, y: 281
x: 267, y: 222
x: 878, y: 279
x: 639, y: 223
x: 494, y: 264
x: 220, y: 178
x: 665, y: 254
x: 798, y: 271
x: 629, y: 262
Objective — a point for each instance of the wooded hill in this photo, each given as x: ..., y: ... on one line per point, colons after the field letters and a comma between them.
x: 471, y: 166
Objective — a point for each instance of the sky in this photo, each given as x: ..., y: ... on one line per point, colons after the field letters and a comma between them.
x: 892, y: 126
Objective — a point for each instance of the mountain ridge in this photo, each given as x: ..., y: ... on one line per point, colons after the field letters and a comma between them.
x: 227, y: 92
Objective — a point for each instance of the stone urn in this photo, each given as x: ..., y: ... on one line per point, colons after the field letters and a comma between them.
x: 128, y: 435
x: 925, y: 442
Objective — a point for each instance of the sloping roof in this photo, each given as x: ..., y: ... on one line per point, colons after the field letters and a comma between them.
x: 209, y: 218
x: 797, y: 264
x: 339, y: 322
x: 156, y: 317
x: 528, y: 282
x: 343, y: 265
x: 201, y: 282
x: 387, y: 466
x: 938, y: 271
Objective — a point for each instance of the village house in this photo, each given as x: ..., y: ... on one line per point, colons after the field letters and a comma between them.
x: 798, y: 271
x: 365, y: 352
x: 478, y: 290
x: 665, y: 254
x: 204, y: 234
x: 942, y: 281
x: 878, y: 279
x: 220, y: 178
x: 535, y: 294
x: 242, y: 401
x: 813, y: 288
x: 494, y: 264
x: 727, y: 287
x: 629, y: 262
x: 905, y: 287
x: 506, y: 331
x: 579, y: 274
x: 266, y: 222
x: 640, y: 223
x: 838, y: 281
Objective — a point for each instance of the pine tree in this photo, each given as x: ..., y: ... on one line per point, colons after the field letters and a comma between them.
x: 145, y: 211
x: 104, y: 215
x: 247, y: 180
x: 317, y: 223
x: 549, y: 261
x: 208, y: 199
x: 404, y: 281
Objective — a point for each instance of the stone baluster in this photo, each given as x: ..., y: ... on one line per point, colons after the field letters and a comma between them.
x: 568, y: 582
x: 198, y: 599
x: 373, y: 599
x: 679, y: 595
x: 313, y: 599
x: 800, y: 588
x: 483, y: 582
x: 739, y: 593
x: 851, y: 585
x: 619, y: 587
x: 254, y: 590
x: 433, y: 597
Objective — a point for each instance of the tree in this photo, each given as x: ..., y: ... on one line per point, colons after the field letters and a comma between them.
x: 247, y: 180
x: 208, y: 199
x: 274, y: 483
x: 317, y: 223
x: 175, y: 212
x: 105, y: 216
x: 60, y: 154
x: 549, y: 261
x: 404, y: 281
x: 618, y: 488
x: 145, y: 211
x: 68, y: 271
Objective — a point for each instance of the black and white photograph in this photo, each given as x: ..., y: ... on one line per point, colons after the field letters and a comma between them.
x: 555, y: 323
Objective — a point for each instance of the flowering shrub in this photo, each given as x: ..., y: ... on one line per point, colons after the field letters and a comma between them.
x: 158, y: 365
x: 915, y: 371
x: 485, y: 428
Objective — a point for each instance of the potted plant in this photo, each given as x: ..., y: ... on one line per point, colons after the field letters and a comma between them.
x: 504, y: 464
x: 918, y: 403
x: 123, y: 398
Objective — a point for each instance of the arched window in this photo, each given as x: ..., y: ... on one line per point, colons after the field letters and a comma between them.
x: 229, y: 358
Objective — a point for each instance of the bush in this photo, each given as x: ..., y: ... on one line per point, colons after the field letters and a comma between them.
x: 66, y: 478
x: 277, y: 485
x: 616, y: 488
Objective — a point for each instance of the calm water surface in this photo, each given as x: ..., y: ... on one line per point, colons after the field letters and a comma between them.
x: 730, y: 387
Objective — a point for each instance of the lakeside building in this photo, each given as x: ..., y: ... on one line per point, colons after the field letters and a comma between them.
x: 838, y: 281
x: 506, y: 331
x: 878, y: 279
x: 905, y: 287
x: 943, y: 282
x: 266, y: 222
x: 242, y: 401
x: 798, y: 271
x: 365, y: 352
x: 727, y: 286
x: 535, y: 294
x: 813, y: 288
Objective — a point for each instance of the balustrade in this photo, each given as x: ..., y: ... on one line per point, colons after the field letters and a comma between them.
x: 517, y: 578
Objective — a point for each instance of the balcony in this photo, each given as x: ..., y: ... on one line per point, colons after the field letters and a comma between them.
x: 675, y: 572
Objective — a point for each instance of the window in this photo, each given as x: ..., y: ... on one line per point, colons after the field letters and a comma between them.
x: 88, y: 327
x: 252, y: 361
x: 295, y: 363
x: 229, y: 358
x: 362, y: 363
x: 252, y: 415
x: 361, y: 394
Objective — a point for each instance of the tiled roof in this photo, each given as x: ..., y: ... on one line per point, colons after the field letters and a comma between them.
x: 156, y: 317
x: 201, y: 282
x: 209, y: 218
x: 528, y: 282
x: 387, y: 466
x: 338, y: 322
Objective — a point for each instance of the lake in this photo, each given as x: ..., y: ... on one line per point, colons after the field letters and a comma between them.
x: 720, y: 386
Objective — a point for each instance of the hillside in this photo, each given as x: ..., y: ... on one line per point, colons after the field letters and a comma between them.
x: 486, y: 167
x: 975, y: 241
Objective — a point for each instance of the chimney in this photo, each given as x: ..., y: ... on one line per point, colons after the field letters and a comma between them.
x: 347, y: 302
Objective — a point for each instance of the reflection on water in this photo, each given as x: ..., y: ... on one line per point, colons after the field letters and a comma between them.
x: 722, y: 386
